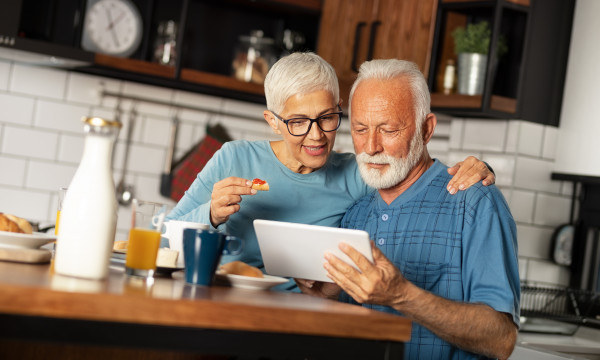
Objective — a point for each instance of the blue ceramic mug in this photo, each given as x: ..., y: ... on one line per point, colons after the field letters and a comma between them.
x: 202, y: 250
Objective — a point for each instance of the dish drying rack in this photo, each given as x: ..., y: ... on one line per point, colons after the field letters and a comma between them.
x: 562, y: 304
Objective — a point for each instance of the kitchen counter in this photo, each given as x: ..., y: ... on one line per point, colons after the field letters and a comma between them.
x: 38, y: 307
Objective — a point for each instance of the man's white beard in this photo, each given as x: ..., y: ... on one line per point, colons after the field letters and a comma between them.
x: 398, y: 167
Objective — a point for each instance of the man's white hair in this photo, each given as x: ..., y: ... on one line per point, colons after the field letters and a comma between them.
x: 299, y: 73
x: 391, y: 68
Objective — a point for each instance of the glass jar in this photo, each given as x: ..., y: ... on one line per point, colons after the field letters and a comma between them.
x: 88, y: 217
x: 254, y: 56
x: 165, y: 44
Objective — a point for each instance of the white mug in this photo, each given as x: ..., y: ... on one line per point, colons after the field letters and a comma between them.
x: 174, y: 233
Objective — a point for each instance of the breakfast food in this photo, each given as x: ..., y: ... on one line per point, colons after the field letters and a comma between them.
x: 167, y: 258
x: 241, y: 268
x: 259, y: 184
x: 120, y: 245
x: 14, y: 224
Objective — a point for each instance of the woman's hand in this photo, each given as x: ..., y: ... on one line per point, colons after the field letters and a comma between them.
x: 469, y: 172
x: 226, y: 198
x: 318, y: 288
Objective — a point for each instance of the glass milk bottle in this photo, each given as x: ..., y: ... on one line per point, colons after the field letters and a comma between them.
x: 89, y: 214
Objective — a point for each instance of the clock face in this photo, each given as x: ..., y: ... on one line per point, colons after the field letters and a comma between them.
x: 112, y: 27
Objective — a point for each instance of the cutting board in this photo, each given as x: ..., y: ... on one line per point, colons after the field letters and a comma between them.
x: 25, y: 255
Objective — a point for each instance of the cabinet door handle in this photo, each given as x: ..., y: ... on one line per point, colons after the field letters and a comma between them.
x: 372, y: 35
x: 359, y: 26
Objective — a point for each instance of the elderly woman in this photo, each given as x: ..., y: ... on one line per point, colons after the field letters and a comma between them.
x: 309, y: 183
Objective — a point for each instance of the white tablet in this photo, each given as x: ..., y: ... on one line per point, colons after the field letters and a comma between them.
x: 298, y: 250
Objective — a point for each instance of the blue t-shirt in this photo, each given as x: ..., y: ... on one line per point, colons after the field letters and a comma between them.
x: 320, y: 198
x: 462, y: 247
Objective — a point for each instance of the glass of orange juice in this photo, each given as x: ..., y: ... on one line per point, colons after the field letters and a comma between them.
x: 144, y: 237
x: 61, y: 197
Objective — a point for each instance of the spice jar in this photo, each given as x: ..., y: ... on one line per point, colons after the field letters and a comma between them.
x: 254, y: 56
x: 89, y: 213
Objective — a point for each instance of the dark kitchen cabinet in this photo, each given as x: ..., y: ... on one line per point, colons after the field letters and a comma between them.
x: 353, y: 31
x: 208, y: 33
x: 524, y: 83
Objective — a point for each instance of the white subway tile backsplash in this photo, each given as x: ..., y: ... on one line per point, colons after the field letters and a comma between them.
x: 156, y: 131
x: 442, y: 129
x: 31, y: 205
x: 151, y: 109
x: 13, y: 171
x: 503, y: 166
x: 523, y: 268
x: 254, y: 111
x: 16, y: 109
x: 185, y: 132
x: 70, y: 148
x: 534, y: 174
x: 486, y: 135
x: 29, y: 143
x: 193, y: 116
x: 49, y: 176
x: 530, y: 138
x: 26, y: 80
x: 147, y: 188
x: 197, y: 100
x: 550, y: 142
x: 145, y: 159
x: 87, y: 89
x: 534, y: 241
x: 512, y: 137
x: 547, y: 272
x: 521, y: 205
x: 4, y: 74
x: 146, y: 91
x: 60, y: 116
x: 456, y: 134
x: 551, y: 210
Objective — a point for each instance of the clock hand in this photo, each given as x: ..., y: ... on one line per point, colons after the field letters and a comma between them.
x: 111, y: 28
x: 121, y: 16
x: 110, y: 21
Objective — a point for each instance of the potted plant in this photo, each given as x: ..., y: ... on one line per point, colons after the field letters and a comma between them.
x: 471, y: 45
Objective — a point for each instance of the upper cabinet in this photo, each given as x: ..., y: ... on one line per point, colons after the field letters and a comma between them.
x: 513, y: 69
x: 353, y: 31
x: 224, y: 47
x: 221, y: 47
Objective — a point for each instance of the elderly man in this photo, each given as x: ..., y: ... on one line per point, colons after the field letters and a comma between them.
x: 449, y: 263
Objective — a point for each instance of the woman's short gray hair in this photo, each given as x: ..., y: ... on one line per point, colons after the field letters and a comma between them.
x: 299, y: 73
x: 391, y: 68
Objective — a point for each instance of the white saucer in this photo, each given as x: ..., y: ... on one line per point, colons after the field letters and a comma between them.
x: 253, y: 283
x: 29, y: 241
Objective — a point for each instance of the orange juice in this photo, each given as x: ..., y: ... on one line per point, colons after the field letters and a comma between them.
x: 57, y: 220
x: 142, y: 249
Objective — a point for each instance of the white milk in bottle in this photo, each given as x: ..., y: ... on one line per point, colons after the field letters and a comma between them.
x: 89, y: 213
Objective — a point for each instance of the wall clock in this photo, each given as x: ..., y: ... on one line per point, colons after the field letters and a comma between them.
x: 112, y: 27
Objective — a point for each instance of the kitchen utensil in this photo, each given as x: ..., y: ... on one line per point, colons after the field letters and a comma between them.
x: 167, y: 175
x: 125, y: 191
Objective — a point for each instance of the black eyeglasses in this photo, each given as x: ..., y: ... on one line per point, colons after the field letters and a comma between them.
x: 301, y: 126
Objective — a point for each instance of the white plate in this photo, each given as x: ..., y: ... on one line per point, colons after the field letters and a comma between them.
x: 31, y: 241
x: 254, y: 283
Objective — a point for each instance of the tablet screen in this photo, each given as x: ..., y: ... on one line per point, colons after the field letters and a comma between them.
x: 298, y: 250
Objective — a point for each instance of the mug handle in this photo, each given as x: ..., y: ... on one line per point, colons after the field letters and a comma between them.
x: 233, y: 245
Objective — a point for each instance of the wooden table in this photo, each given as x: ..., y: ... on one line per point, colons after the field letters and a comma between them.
x: 39, y: 307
